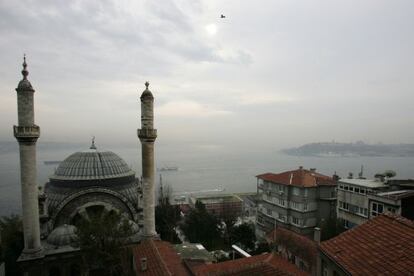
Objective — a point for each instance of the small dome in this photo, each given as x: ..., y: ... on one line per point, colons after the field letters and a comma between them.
x: 63, y: 235
x: 25, y: 85
x: 147, y: 95
x: 92, y: 165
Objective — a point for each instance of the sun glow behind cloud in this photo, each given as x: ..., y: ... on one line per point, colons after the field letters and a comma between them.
x: 211, y: 29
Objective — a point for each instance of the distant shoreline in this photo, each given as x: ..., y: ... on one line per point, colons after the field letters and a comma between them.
x: 333, y: 149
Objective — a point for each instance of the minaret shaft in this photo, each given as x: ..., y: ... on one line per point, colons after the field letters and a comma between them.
x: 148, y: 176
x: 27, y: 134
x: 30, y: 206
x: 147, y: 135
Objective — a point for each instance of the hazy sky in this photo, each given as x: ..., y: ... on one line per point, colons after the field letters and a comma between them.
x: 271, y: 74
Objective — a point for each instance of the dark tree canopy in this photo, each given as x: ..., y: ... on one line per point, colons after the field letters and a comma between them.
x: 244, y: 236
x: 12, y: 242
x: 103, y: 240
x: 200, y: 226
x: 167, y: 217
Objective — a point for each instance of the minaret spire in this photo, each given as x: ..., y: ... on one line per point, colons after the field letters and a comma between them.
x: 27, y: 133
x: 147, y: 135
x: 25, y: 73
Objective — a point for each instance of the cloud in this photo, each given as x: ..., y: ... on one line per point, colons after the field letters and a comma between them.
x: 187, y: 108
x: 263, y: 99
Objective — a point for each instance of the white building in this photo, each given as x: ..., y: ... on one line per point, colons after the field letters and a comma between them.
x: 362, y: 199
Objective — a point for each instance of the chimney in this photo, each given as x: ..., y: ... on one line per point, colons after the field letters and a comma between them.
x: 317, y: 235
x: 143, y: 264
x: 350, y: 175
x: 300, y: 167
x: 312, y: 169
x: 335, y: 177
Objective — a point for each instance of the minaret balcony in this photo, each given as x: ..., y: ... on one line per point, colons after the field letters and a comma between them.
x: 26, y: 132
x: 147, y: 133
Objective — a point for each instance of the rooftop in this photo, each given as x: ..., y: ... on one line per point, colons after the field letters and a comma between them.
x: 300, y: 177
x: 367, y: 183
x: 264, y: 264
x: 161, y: 259
x: 193, y: 251
x: 395, y: 195
x: 217, y: 198
x: 381, y: 246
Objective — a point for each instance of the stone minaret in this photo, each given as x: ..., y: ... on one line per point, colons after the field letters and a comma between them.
x: 147, y: 135
x: 27, y: 134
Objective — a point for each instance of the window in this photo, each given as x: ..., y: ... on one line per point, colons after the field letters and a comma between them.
x: 362, y: 191
x: 351, y: 189
x: 281, y: 202
x: 346, y: 224
x: 341, y: 186
x: 391, y: 210
x: 295, y: 205
x: 377, y: 209
x: 356, y: 190
x: 295, y: 220
x: 343, y: 205
x: 296, y: 191
x: 281, y: 217
x: 305, y: 206
x: 305, y: 192
x: 269, y: 212
x: 346, y: 188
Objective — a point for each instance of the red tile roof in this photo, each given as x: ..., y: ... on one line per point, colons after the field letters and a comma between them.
x: 299, y: 177
x: 265, y: 264
x: 382, y: 246
x: 162, y: 259
x: 299, y: 245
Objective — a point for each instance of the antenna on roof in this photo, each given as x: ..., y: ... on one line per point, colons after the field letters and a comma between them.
x: 93, y: 143
x: 361, y: 173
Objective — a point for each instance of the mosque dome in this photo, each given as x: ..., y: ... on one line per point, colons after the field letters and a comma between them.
x: 92, y: 165
x: 63, y: 235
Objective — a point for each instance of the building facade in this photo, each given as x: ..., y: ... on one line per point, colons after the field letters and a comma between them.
x: 362, y: 199
x: 298, y: 200
x: 220, y: 205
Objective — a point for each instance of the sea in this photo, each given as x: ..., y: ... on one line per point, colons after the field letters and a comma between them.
x: 201, y: 168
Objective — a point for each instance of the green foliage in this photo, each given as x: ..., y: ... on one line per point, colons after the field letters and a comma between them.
x: 331, y: 228
x: 12, y: 242
x: 262, y: 247
x: 167, y: 217
x: 390, y: 173
x: 244, y: 236
x: 200, y: 226
x: 102, y: 240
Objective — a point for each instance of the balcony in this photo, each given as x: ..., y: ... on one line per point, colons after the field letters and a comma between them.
x: 26, y: 133
x: 147, y: 133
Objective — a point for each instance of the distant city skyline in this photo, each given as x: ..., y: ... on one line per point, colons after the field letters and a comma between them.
x: 270, y: 74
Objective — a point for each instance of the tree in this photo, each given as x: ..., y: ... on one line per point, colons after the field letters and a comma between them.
x: 167, y: 217
x: 12, y: 242
x: 244, y: 235
x: 200, y: 226
x: 331, y: 227
x: 102, y: 239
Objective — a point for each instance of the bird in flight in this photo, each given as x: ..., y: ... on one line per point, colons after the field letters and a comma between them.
x: 222, y: 16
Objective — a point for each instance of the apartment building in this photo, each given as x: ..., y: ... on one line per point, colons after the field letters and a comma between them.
x: 362, y: 199
x: 298, y: 200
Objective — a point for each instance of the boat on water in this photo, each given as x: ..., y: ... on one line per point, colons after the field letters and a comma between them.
x: 167, y: 168
x: 51, y: 162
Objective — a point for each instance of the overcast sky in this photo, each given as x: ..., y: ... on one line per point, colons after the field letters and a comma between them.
x: 271, y: 74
